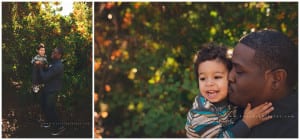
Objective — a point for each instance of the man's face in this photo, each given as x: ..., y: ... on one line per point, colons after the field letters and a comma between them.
x: 246, y: 79
x: 55, y: 54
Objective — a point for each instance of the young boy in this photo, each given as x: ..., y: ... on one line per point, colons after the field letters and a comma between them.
x: 39, y: 60
x: 212, y: 115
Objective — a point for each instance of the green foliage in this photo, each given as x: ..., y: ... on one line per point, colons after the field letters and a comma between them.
x: 144, y: 52
x: 26, y: 24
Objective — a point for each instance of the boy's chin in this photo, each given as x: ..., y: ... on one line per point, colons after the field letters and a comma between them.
x: 216, y: 100
x: 213, y: 100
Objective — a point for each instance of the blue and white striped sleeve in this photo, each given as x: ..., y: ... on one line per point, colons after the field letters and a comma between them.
x: 206, y: 124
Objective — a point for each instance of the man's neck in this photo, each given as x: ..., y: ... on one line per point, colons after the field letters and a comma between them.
x: 276, y: 95
x: 55, y: 60
x: 281, y: 93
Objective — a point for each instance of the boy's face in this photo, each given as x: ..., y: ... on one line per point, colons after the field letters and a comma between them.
x: 41, y: 51
x: 213, y: 80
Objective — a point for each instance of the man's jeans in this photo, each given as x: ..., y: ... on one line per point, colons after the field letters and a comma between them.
x: 48, y: 105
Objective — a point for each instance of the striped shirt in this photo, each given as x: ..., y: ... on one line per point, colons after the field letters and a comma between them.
x: 38, y: 57
x: 207, y: 120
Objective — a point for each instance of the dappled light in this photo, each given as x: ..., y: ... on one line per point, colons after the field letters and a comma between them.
x: 9, y: 124
x: 144, y: 76
x: 26, y: 25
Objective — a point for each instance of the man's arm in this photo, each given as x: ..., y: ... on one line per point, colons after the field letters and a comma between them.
x: 52, y: 72
x: 240, y: 130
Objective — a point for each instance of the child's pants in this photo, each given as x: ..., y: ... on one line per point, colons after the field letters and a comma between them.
x: 36, y: 78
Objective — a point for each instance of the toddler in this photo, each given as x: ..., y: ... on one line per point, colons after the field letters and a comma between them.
x: 39, y: 60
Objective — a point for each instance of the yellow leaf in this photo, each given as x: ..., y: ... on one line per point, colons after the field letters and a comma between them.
x: 140, y: 106
x: 131, y: 107
x: 212, y: 31
x: 131, y: 74
x: 151, y: 81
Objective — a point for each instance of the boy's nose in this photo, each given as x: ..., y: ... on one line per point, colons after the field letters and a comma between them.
x: 209, y: 83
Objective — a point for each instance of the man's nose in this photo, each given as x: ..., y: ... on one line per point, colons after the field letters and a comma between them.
x: 231, y: 76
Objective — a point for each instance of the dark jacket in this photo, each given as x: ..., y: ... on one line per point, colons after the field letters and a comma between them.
x: 284, y: 123
x: 53, y: 76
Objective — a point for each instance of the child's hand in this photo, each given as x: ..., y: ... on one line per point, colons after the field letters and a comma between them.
x: 37, y: 62
x: 257, y: 115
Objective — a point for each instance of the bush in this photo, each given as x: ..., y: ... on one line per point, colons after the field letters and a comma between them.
x: 26, y: 24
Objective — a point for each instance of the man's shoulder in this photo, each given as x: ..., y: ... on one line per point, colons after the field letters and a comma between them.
x: 276, y: 128
x: 59, y: 64
x: 284, y: 122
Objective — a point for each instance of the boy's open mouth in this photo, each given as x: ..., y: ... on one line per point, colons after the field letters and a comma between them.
x: 211, y: 94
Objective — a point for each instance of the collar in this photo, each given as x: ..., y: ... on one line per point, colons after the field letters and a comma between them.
x: 42, y: 56
x: 286, y: 105
x: 214, y: 107
x: 56, y: 60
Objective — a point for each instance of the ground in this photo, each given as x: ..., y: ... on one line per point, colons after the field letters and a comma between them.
x: 21, y: 117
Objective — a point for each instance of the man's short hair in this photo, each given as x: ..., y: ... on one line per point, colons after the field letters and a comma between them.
x: 274, y: 50
x: 60, y: 51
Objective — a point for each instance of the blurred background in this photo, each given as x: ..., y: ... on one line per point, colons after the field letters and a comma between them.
x: 144, y: 78
x: 56, y: 24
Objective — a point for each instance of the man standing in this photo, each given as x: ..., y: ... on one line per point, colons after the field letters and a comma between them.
x: 53, y: 80
x: 265, y: 68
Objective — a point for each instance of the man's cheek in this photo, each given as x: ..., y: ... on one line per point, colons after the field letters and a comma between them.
x: 242, y: 94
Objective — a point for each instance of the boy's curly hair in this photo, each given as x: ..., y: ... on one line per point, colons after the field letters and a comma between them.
x: 212, y: 51
x: 41, y: 45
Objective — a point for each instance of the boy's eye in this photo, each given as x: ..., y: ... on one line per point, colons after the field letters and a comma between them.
x: 201, y: 79
x: 218, y: 77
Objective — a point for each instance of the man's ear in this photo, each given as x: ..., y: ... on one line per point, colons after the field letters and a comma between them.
x: 278, y: 78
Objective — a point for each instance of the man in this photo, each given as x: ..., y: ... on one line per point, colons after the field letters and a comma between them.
x: 53, y: 80
x: 265, y: 68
